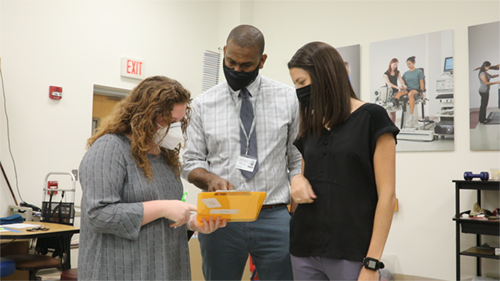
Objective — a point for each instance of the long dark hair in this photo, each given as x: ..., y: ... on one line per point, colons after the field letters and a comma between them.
x: 484, y: 65
x: 331, y: 91
x: 396, y: 71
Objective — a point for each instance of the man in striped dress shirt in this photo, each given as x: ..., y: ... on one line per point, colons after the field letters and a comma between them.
x: 215, y: 147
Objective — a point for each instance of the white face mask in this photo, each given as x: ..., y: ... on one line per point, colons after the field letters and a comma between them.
x: 173, y: 137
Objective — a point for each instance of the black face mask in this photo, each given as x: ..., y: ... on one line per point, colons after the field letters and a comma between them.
x: 239, y: 79
x: 304, y: 95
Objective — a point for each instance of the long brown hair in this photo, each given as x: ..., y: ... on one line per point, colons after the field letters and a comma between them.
x: 485, y: 64
x: 136, y: 116
x: 331, y: 90
x: 389, y: 69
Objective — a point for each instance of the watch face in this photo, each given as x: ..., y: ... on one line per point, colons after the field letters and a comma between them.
x: 371, y: 263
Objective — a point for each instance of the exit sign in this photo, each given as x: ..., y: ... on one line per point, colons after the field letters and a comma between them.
x: 132, y: 68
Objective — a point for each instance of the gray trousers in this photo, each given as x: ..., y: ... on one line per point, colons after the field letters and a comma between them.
x: 319, y: 268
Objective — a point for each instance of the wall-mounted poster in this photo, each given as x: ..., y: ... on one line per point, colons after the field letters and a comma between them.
x: 350, y: 54
x: 412, y: 78
x: 484, y: 86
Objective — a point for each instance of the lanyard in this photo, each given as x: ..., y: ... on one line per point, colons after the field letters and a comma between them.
x: 252, y: 127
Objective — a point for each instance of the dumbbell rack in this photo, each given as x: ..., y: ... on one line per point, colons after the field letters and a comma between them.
x: 474, y: 226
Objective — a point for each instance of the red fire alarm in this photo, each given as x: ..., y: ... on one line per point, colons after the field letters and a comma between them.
x: 52, y: 185
x: 55, y: 92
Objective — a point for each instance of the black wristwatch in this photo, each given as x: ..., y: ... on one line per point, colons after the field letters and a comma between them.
x: 372, y: 264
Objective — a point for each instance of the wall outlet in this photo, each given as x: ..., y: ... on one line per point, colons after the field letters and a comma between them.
x: 75, y: 173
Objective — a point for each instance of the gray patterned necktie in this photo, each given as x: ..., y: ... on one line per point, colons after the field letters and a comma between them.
x: 246, y: 115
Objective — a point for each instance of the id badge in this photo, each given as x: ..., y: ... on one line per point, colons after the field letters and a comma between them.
x: 246, y: 163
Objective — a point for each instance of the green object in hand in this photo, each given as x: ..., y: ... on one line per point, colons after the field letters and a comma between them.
x: 183, y: 199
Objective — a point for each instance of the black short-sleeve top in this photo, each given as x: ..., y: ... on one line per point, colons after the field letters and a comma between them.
x: 393, y: 79
x: 339, y: 166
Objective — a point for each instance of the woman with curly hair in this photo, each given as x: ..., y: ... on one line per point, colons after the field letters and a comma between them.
x: 134, y: 224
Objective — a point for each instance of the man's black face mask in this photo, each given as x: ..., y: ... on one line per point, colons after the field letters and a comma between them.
x: 239, y: 79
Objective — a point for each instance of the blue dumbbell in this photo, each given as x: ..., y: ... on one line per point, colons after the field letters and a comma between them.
x: 484, y: 176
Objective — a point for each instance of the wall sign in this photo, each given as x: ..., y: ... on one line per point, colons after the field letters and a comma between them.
x: 132, y: 68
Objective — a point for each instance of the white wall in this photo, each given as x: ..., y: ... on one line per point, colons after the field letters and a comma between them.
x: 76, y: 44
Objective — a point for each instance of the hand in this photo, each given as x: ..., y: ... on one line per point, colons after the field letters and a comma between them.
x: 178, y: 211
x: 302, y: 191
x: 367, y: 274
x: 205, y: 226
x: 217, y: 183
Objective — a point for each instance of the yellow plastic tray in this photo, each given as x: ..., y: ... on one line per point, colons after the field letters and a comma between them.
x: 234, y: 206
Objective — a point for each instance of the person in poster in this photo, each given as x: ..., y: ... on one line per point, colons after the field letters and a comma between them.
x: 484, y: 88
x: 414, y: 80
x: 391, y: 77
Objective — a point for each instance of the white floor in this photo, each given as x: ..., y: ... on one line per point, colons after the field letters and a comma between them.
x: 485, y: 137
x: 442, y: 143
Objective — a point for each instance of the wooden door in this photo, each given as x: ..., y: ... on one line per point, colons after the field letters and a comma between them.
x: 102, y: 106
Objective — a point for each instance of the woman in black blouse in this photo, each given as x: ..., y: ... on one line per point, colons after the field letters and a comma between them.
x: 346, y: 194
x: 391, y: 77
